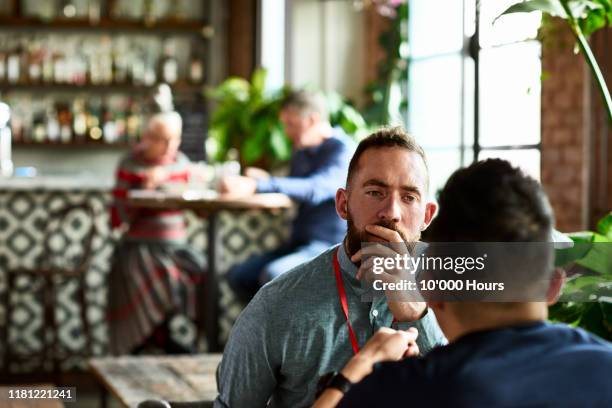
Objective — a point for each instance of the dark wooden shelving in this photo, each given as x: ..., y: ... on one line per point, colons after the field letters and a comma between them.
x: 71, y: 144
x: 181, y: 86
x: 171, y: 26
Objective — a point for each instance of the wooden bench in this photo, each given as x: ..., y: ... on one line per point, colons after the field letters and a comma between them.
x: 133, y: 379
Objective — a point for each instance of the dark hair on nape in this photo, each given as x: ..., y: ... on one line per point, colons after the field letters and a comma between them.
x: 386, y: 137
x: 491, y: 201
x: 306, y: 103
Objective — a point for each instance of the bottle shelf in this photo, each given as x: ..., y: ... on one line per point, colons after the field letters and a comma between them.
x: 180, y: 86
x: 72, y: 144
x: 169, y: 26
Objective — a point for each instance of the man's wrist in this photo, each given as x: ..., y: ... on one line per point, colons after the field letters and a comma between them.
x: 357, y: 368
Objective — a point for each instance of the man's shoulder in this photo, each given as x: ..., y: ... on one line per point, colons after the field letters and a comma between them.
x: 580, y: 341
x: 306, y: 279
x: 339, y: 140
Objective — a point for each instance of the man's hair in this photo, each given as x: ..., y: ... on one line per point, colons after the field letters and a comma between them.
x: 172, y: 119
x: 386, y: 137
x: 306, y: 103
x: 491, y: 201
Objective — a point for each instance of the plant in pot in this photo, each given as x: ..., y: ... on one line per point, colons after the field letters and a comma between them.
x: 246, y: 119
x: 587, y: 296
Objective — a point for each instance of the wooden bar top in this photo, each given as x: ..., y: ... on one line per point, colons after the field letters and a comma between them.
x: 206, y: 200
x: 133, y: 379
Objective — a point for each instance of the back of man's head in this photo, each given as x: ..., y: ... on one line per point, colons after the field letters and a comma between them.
x: 306, y: 103
x: 491, y: 201
x: 491, y: 207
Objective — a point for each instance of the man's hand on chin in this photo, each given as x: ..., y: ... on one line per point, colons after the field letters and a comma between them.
x: 402, y: 305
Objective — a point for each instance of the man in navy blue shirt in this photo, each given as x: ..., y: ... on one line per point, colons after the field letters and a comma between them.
x: 499, y: 354
x: 318, y: 168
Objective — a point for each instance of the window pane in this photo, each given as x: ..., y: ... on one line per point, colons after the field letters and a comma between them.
x: 510, y: 95
x: 528, y: 159
x: 509, y: 28
x: 434, y: 101
x: 435, y: 27
x: 441, y: 163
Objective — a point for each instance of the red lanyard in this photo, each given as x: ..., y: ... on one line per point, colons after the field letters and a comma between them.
x: 344, y: 303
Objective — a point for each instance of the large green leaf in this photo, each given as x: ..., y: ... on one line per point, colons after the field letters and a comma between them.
x: 279, y: 144
x: 565, y: 256
x: 252, y: 149
x: 579, y: 8
x: 232, y: 88
x: 604, y: 226
x: 258, y: 86
x: 552, y: 7
x: 599, y: 258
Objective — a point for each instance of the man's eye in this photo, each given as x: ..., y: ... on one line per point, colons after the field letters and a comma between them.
x: 409, y: 198
x: 374, y: 193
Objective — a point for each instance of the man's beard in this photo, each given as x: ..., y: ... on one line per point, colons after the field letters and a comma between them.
x: 355, y: 237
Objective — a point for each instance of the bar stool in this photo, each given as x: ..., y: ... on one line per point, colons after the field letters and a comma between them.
x: 56, y: 265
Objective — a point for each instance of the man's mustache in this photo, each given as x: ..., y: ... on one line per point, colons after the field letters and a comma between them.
x: 392, y: 226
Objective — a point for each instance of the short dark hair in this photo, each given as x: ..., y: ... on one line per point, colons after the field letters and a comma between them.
x: 386, y: 137
x: 306, y: 103
x: 491, y: 201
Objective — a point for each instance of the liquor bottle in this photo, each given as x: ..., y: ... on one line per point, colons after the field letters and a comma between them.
x: 120, y: 125
x: 13, y: 66
x: 106, y: 60
x: 47, y: 63
x: 53, y: 127
x: 168, y: 64
x: 109, y: 127
x: 79, y: 122
x: 2, y: 66
x: 65, y: 122
x: 39, y: 131
x: 94, y: 125
x: 34, y: 62
x: 196, y: 68
x: 59, y: 68
x: 148, y: 12
x: 133, y: 122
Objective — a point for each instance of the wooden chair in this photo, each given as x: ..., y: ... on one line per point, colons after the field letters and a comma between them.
x: 55, y: 265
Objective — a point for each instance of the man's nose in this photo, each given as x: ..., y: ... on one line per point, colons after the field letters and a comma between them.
x: 391, y: 210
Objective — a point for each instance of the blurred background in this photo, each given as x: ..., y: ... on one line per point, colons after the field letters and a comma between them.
x: 78, y: 79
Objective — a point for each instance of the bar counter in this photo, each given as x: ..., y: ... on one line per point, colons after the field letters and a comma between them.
x: 25, y: 201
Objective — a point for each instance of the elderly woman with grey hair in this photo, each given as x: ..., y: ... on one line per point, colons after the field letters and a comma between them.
x: 155, y: 274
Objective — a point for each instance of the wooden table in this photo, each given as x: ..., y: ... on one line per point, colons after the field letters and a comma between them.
x: 133, y: 379
x: 6, y: 402
x: 211, y: 204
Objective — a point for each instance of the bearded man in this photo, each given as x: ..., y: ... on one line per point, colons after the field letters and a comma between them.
x: 314, y: 318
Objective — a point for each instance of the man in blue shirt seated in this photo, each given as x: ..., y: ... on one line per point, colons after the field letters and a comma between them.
x: 500, y: 354
x: 317, y: 169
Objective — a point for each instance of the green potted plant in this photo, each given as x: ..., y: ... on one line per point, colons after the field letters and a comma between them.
x: 587, y: 296
x: 246, y: 119
x: 584, y: 17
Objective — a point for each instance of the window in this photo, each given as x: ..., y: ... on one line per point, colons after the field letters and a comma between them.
x: 473, y: 87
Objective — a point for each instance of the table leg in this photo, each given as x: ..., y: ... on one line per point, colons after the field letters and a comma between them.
x: 212, y: 298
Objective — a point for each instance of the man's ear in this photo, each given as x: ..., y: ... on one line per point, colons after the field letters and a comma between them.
x: 342, y: 203
x: 430, y: 211
x: 557, y: 280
